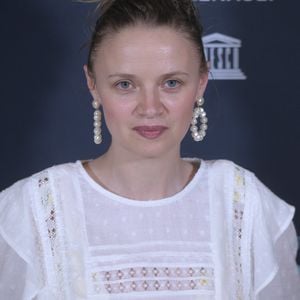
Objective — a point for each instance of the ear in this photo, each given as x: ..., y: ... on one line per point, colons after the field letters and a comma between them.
x: 91, y: 83
x: 202, y: 84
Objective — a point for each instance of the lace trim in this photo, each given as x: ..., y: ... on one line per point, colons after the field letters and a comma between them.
x: 39, y: 248
x: 153, y: 279
x: 238, y: 212
x: 50, y: 218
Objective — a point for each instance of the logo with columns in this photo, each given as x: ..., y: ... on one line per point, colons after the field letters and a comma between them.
x: 222, y: 52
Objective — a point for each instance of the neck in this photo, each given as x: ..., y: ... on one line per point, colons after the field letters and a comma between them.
x: 141, y: 178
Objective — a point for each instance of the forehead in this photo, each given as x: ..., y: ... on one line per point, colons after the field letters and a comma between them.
x: 140, y: 46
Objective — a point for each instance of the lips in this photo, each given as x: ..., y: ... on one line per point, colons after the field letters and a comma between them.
x: 150, y: 132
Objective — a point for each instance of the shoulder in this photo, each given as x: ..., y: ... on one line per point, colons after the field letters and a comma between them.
x: 256, y: 192
x: 224, y: 165
x: 28, y: 224
x: 20, y: 200
x: 61, y: 170
x: 228, y: 172
x: 261, y: 203
x: 38, y: 177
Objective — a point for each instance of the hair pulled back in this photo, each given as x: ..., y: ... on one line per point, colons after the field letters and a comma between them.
x: 115, y: 15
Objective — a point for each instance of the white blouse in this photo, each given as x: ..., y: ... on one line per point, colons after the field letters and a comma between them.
x: 224, y: 236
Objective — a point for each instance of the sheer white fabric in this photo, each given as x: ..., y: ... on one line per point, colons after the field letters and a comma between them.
x: 149, y: 248
x: 225, y: 236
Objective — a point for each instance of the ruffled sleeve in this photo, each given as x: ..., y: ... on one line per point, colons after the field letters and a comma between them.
x: 20, y: 265
x: 275, y: 272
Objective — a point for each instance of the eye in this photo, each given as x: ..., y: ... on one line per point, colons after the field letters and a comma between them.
x: 124, y: 85
x: 172, y: 83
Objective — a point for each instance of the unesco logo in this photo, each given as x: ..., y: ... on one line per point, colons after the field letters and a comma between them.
x: 222, y: 52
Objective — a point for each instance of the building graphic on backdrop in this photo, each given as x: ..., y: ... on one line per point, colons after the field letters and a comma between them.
x: 222, y: 52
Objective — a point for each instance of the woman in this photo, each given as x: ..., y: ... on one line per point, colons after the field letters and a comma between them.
x: 140, y: 222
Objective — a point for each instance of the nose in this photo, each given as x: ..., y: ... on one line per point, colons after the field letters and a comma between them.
x: 149, y: 104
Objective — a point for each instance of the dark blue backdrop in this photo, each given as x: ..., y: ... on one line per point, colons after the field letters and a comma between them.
x: 46, y: 113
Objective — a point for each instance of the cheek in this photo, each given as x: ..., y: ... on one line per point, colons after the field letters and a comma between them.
x: 114, y: 114
x: 186, y: 117
x: 184, y: 113
x: 111, y: 118
x: 183, y: 109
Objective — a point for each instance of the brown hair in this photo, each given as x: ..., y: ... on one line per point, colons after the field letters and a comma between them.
x: 117, y: 14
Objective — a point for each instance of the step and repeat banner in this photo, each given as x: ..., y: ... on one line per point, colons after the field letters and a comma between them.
x: 253, y: 96
x: 252, y: 99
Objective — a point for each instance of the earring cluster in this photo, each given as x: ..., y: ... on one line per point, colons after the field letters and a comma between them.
x: 97, y: 123
x: 199, y: 134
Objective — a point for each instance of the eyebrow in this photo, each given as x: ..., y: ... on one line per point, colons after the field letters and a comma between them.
x: 175, y: 73
x: 121, y: 75
x: 163, y: 76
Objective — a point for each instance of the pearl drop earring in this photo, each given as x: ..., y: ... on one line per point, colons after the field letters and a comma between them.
x: 97, y: 123
x: 199, y: 134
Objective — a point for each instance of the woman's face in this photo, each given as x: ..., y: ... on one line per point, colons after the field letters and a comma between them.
x: 147, y: 80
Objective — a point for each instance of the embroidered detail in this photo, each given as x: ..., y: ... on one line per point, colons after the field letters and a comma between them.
x: 50, y: 220
x: 39, y: 249
x: 153, y: 279
x: 238, y: 212
x: 50, y: 213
